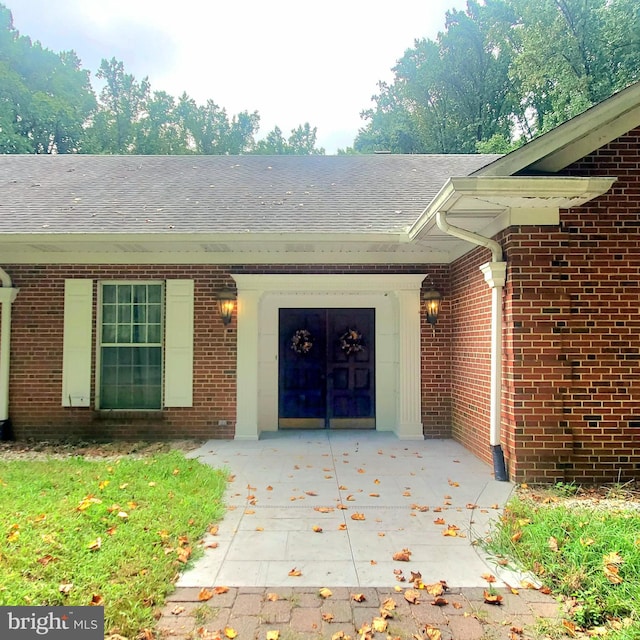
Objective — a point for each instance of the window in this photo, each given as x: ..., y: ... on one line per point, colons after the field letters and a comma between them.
x: 130, y: 345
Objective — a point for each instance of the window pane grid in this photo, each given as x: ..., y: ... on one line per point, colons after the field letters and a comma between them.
x: 131, y: 347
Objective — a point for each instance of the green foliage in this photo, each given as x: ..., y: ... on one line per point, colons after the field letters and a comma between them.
x: 502, y: 72
x: 47, y: 105
x: 144, y: 512
x: 301, y: 142
x: 592, y: 555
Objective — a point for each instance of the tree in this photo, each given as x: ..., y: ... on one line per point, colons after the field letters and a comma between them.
x: 301, y: 142
x: 502, y: 72
x: 45, y: 97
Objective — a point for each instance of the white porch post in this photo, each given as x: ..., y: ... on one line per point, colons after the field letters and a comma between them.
x: 247, y: 366
x: 7, y: 296
x: 410, y: 424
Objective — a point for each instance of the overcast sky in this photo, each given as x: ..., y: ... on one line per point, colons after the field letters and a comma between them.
x: 292, y: 61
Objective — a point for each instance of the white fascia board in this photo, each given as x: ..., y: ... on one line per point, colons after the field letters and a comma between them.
x: 532, y: 194
x: 257, y: 258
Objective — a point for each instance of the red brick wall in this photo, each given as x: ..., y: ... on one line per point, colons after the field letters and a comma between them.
x: 36, y: 365
x: 572, y: 306
x: 470, y: 309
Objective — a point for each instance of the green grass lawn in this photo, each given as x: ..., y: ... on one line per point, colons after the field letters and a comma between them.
x: 591, y: 556
x: 112, y: 532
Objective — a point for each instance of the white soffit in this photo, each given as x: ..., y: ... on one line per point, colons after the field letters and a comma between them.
x: 489, y: 204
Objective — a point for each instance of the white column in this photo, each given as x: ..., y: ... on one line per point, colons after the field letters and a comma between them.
x: 7, y: 296
x: 247, y: 366
x: 495, y: 276
x: 409, y: 426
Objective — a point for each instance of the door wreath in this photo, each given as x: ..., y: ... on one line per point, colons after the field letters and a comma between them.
x: 302, y: 341
x: 351, y: 341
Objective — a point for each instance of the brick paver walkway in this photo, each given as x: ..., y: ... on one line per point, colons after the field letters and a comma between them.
x: 302, y: 614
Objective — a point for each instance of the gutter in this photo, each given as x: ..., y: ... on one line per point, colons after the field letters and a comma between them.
x: 7, y: 295
x: 495, y: 276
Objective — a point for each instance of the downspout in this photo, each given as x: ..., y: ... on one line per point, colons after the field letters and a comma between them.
x: 495, y: 275
x: 7, y: 296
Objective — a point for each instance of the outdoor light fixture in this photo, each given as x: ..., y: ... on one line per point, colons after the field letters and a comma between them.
x: 432, y: 300
x: 226, y: 301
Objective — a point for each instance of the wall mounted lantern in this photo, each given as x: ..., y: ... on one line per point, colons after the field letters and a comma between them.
x: 226, y: 302
x: 432, y: 300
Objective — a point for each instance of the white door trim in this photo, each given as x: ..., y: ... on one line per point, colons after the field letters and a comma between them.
x: 396, y: 300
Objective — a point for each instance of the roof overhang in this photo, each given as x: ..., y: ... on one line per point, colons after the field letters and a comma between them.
x: 482, y: 205
x: 488, y: 205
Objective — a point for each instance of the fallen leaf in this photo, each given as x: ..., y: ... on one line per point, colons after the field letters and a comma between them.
x: 340, y: 635
x: 451, y: 531
x: 516, y: 536
x: 325, y: 593
x: 273, y: 635
x: 350, y: 498
x: 471, y: 505
x: 544, y: 589
x: 220, y: 590
x: 374, y: 495
x: 570, y: 627
x: 440, y: 602
x: 212, y: 545
x: 342, y: 527
x: 96, y: 600
x: 94, y: 545
x: 406, y: 494
x: 402, y: 556
x: 65, y: 587
x: 552, y: 543
x: 372, y: 562
x: 213, y: 530
x: 439, y: 520
x: 361, y: 471
x: 358, y: 597
x: 230, y: 632
x: 205, y: 594
x: 357, y: 516
x: 492, y: 598
x: 316, y: 528
x: 379, y: 625
x: 437, y: 509
x: 412, y: 596
x: 415, y: 576
x: 184, y: 554
x: 323, y: 509
x: 177, y: 610
x: 453, y: 484
x: 249, y: 512
x: 457, y: 605
x: 381, y: 534
x: 488, y: 577
x: 612, y: 558
x: 341, y: 507
x: 311, y: 493
x: 436, y: 588
x: 611, y: 572
x: 295, y: 572
x: 45, y: 560
x: 432, y: 633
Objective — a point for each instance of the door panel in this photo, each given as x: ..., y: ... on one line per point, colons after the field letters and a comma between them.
x: 323, y: 385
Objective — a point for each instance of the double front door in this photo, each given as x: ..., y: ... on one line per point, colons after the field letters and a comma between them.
x: 326, y: 368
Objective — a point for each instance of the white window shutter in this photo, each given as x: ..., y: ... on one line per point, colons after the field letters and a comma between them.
x: 178, y: 351
x: 76, y: 350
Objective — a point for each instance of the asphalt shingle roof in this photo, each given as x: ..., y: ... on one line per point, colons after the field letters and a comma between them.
x: 222, y: 194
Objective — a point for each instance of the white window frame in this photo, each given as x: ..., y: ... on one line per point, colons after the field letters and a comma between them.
x: 99, y: 344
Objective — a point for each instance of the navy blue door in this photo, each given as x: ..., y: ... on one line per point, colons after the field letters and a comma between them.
x: 327, y: 368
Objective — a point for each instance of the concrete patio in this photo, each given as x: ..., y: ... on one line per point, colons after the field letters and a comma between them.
x: 394, y: 495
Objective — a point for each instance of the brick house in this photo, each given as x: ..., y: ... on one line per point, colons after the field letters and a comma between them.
x: 112, y: 269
